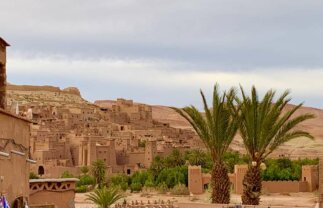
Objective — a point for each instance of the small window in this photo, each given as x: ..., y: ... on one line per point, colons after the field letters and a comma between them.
x: 128, y: 171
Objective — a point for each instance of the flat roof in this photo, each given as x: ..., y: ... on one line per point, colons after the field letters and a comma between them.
x: 4, y: 42
x: 53, y: 180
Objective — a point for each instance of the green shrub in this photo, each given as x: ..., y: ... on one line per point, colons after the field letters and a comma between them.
x: 67, y: 174
x: 81, y: 189
x: 180, y: 189
x: 162, y: 188
x: 33, y: 175
x: 136, y: 187
x: 149, y: 183
x: 173, y: 176
x: 86, y: 180
x: 285, y: 169
x: 85, y: 170
x: 124, y: 186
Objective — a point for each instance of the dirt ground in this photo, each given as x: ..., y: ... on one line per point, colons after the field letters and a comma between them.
x: 286, y: 200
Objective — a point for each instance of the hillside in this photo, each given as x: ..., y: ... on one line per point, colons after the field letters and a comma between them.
x: 297, y: 148
x: 46, y: 95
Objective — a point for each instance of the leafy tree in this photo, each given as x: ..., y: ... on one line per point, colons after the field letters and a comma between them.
x: 217, y: 129
x: 264, y: 127
x: 157, y: 165
x: 104, y: 197
x: 176, y: 158
x: 98, y: 170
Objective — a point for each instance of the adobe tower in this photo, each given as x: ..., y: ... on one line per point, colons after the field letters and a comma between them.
x: 3, y: 76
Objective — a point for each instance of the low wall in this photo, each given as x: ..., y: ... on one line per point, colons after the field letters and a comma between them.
x: 58, y: 192
x: 284, y: 186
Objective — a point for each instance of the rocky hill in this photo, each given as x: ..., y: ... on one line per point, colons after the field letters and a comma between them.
x: 47, y: 95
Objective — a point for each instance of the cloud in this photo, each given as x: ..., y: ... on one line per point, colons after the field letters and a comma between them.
x: 209, y: 34
x: 163, y: 51
x: 148, y: 81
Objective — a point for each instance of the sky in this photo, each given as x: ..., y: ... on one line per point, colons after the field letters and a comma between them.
x: 165, y: 51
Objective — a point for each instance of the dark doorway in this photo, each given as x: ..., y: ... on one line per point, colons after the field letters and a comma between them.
x: 41, y: 170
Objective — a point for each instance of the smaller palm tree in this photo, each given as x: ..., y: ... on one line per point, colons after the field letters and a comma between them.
x: 98, y: 170
x: 105, y: 197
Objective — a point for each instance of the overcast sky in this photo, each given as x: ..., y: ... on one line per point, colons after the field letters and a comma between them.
x: 163, y: 52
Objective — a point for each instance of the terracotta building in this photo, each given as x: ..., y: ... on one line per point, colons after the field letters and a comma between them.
x: 14, y: 146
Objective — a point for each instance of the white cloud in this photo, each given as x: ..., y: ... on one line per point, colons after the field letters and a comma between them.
x: 162, y: 75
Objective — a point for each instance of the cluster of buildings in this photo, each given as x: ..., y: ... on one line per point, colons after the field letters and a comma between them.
x: 67, y: 135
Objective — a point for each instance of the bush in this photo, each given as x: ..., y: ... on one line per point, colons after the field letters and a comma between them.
x: 67, y: 174
x: 149, y: 183
x: 136, y: 187
x: 285, y: 169
x: 33, y: 175
x: 173, y: 176
x: 180, y: 189
x: 141, y: 177
x: 86, y: 180
x: 81, y: 189
x: 162, y: 188
x: 124, y: 186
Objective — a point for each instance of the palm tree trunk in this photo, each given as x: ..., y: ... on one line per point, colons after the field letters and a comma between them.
x: 252, y: 186
x: 220, y: 184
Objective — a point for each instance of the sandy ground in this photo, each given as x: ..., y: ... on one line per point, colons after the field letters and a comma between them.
x: 286, y: 200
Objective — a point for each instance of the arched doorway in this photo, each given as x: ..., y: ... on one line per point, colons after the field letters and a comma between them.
x: 41, y: 170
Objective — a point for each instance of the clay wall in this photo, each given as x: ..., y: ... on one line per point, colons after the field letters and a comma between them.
x: 320, y: 190
x: 136, y: 157
x: 60, y: 193
x: 14, y: 135
x: 310, y: 175
x: 284, y: 186
x: 195, y: 183
x: 2, y: 54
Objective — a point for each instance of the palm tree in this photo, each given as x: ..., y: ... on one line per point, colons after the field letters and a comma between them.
x: 104, y: 197
x: 216, y: 129
x: 197, y: 157
x: 98, y: 170
x: 265, y: 125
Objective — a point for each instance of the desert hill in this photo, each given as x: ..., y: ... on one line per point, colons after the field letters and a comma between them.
x: 297, y: 148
